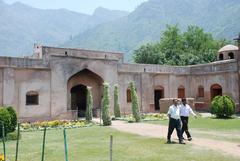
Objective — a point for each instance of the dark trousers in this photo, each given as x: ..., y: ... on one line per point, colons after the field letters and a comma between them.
x: 174, y: 124
x: 185, y: 126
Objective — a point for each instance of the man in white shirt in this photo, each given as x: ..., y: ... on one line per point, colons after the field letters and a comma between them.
x: 185, y: 111
x: 174, y: 121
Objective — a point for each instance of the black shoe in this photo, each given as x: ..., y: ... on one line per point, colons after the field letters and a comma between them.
x: 190, y: 139
x: 182, y: 142
x: 169, y: 142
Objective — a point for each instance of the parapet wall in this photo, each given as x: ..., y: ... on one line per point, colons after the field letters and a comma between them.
x: 209, y: 68
x: 82, y: 53
x: 22, y: 62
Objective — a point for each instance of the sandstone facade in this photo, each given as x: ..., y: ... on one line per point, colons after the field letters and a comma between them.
x: 52, y: 83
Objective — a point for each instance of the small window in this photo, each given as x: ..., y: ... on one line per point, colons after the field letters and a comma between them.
x: 32, y: 98
x: 129, y: 97
x: 230, y: 55
x: 200, y: 92
x: 221, y: 56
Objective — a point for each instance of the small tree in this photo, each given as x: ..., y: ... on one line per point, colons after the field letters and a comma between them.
x: 105, y: 103
x: 5, y: 117
x: 89, y: 104
x: 135, y: 106
x: 223, y: 106
x: 117, y: 112
x: 13, y: 120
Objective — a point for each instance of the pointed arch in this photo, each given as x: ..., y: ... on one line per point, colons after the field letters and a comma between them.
x: 181, y: 91
x: 216, y: 90
x: 76, y: 88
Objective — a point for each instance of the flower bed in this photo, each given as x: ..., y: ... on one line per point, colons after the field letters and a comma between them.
x: 55, y: 124
x: 144, y: 117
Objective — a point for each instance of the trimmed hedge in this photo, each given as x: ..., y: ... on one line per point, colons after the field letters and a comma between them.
x: 13, y: 119
x: 135, y: 106
x: 89, y: 114
x: 223, y: 106
x: 9, y: 117
x: 105, y: 103
x: 6, y: 119
x: 117, y: 112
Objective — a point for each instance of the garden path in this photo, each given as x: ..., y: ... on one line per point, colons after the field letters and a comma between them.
x: 160, y: 131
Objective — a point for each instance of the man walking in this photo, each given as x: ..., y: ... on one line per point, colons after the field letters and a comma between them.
x: 185, y: 111
x: 174, y: 121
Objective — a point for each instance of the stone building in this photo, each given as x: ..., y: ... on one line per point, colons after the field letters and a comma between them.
x: 52, y: 82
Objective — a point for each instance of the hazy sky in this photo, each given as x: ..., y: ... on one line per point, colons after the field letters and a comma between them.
x: 83, y: 6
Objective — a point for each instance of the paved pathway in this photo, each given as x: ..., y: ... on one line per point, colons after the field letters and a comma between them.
x: 160, y: 131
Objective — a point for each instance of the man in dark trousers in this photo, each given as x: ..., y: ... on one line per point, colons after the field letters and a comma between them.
x: 185, y: 111
x: 174, y: 121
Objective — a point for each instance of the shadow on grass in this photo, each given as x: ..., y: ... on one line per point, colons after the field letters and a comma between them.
x: 224, y: 118
x: 172, y: 142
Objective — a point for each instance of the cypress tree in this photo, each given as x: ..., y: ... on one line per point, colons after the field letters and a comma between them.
x: 135, y: 106
x: 117, y: 112
x: 89, y: 104
x: 105, y: 102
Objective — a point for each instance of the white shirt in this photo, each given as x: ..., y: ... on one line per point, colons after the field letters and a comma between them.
x: 186, y: 110
x: 174, y: 112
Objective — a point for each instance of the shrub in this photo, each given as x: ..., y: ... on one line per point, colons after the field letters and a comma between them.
x: 6, y: 118
x: 13, y: 120
x: 135, y: 106
x: 223, y: 106
x: 89, y: 104
x: 117, y: 112
x: 12, y: 136
x: 105, y: 103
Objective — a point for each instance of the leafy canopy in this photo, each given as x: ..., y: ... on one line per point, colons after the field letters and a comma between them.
x: 194, y: 46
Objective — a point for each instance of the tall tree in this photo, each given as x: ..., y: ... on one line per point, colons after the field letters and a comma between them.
x: 149, y: 54
x: 135, y: 106
x: 171, y: 45
x: 117, y: 112
x: 89, y: 104
x: 105, y: 103
x: 194, y: 46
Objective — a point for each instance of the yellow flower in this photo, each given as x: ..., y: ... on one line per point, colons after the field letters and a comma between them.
x: 1, y: 157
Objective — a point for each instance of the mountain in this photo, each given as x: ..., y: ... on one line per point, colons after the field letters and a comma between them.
x: 148, y: 21
x: 21, y: 26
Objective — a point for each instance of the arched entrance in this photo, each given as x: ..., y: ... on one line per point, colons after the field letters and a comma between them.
x: 216, y: 90
x: 158, y: 94
x: 77, y: 91
x: 79, y: 99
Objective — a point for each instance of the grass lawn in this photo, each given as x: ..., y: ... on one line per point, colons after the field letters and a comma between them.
x: 209, y: 123
x: 92, y: 143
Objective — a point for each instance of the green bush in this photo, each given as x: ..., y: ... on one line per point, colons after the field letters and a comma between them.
x: 105, y: 103
x: 117, y: 112
x: 89, y: 104
x: 6, y: 118
x: 135, y: 106
x: 13, y: 120
x: 223, y: 106
x: 12, y: 136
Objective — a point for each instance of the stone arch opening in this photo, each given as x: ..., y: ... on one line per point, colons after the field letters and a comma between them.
x: 181, y: 92
x: 216, y: 90
x: 220, y: 57
x: 230, y: 55
x: 77, y: 91
x: 200, y: 91
x: 158, y: 94
x: 79, y: 99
